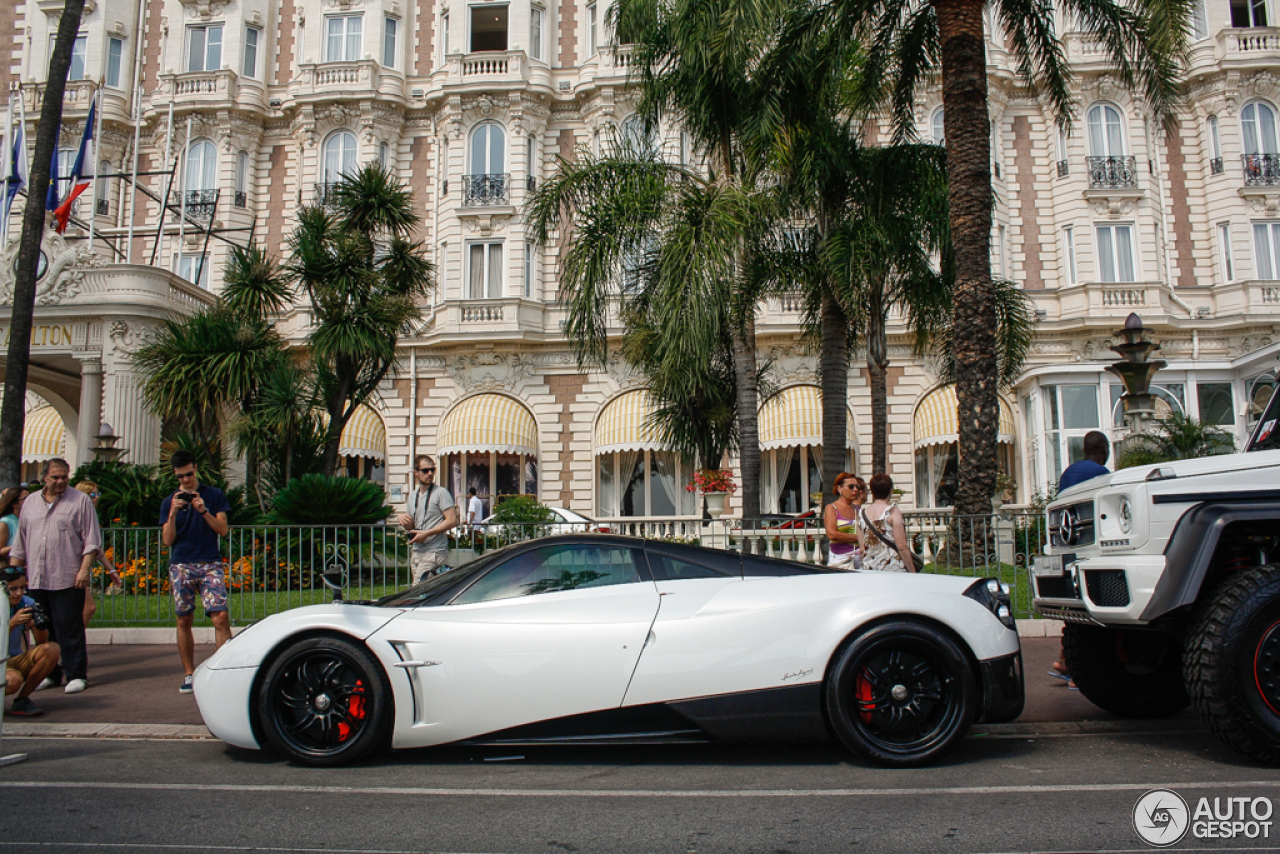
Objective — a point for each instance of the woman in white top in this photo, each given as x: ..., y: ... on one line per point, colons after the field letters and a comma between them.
x: 880, y: 521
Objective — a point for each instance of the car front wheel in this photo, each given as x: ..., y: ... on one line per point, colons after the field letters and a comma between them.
x: 1233, y: 663
x: 324, y: 701
x: 1131, y: 673
x: 901, y: 693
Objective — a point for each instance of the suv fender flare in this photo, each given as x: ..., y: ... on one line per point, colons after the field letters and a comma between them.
x: 1192, y: 545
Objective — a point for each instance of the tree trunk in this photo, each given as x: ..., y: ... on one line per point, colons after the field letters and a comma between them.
x: 834, y: 360
x: 18, y: 359
x: 877, y: 374
x: 747, y: 373
x: 968, y: 141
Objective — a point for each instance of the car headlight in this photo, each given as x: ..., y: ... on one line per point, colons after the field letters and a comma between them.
x: 994, y: 596
x: 1126, y: 515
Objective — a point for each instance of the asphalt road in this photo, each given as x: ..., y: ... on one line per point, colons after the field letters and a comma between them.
x: 1045, y: 791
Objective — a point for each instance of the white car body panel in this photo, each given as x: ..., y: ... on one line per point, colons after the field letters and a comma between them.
x: 226, y: 719
x: 712, y: 646
x: 521, y: 660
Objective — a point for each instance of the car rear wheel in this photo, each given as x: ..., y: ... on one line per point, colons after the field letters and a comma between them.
x: 1131, y: 673
x: 901, y: 693
x: 1233, y: 663
x: 324, y: 701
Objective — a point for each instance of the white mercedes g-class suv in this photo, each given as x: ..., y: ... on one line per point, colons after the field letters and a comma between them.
x: 1168, y: 579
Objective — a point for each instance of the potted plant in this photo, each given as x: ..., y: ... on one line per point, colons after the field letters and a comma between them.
x: 715, y: 485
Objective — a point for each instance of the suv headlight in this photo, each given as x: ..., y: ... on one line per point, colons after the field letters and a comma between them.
x: 1126, y: 515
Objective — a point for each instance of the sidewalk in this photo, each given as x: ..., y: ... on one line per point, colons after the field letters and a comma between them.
x: 133, y: 691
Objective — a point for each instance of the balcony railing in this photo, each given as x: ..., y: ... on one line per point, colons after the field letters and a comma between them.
x: 241, y: 199
x: 1107, y: 172
x: 1215, y: 166
x: 198, y: 203
x: 326, y: 193
x: 1064, y: 169
x: 485, y: 189
x: 1261, y: 170
x: 531, y: 184
x: 103, y: 207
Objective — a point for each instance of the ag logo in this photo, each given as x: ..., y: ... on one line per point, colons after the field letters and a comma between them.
x: 1161, y: 818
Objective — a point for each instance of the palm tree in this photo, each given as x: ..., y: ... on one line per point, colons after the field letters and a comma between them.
x: 1177, y: 437
x: 363, y: 278
x: 904, y: 42
x: 18, y: 358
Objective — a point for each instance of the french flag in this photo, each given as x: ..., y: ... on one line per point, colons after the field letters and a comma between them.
x: 18, y: 174
x: 79, y: 180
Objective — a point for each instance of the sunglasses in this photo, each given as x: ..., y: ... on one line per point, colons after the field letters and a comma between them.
x: 93, y: 495
x: 185, y: 475
x: 424, y: 471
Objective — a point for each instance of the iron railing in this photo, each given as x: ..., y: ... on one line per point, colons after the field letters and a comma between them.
x: 240, y: 199
x: 1064, y: 168
x: 1107, y: 172
x: 485, y: 189
x: 1261, y: 169
x: 326, y: 193
x: 1216, y: 166
x: 103, y: 207
x: 198, y: 203
x: 274, y: 568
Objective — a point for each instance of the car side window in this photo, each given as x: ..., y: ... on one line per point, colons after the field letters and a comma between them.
x: 667, y: 568
x: 552, y: 569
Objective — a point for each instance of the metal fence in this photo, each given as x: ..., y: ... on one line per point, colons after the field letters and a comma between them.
x: 274, y: 568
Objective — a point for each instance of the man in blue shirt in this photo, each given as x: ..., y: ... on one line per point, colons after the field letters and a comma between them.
x: 194, y: 518
x: 28, y: 664
x: 1096, y: 452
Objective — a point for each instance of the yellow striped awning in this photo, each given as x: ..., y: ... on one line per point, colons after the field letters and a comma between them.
x: 622, y: 425
x: 793, y: 418
x: 364, y: 435
x: 488, y: 422
x: 936, y: 422
x: 44, y: 436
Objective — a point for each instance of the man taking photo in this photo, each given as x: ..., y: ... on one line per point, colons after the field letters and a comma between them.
x: 194, y: 518
x: 58, y: 541
x: 28, y: 663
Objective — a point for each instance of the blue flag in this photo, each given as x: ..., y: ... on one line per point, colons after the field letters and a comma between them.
x: 51, y: 198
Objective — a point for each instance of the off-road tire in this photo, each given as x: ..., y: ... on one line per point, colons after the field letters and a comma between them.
x: 1129, y: 673
x: 1232, y: 663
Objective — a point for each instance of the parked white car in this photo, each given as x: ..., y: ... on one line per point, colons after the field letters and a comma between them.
x: 566, y: 522
x: 601, y: 638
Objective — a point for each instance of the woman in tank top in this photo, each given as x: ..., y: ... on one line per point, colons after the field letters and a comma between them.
x: 840, y: 519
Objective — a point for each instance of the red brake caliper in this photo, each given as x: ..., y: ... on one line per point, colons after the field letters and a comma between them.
x: 862, y: 690
x: 356, y: 708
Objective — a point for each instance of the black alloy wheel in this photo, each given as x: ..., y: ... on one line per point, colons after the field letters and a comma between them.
x: 901, y: 694
x: 324, y: 701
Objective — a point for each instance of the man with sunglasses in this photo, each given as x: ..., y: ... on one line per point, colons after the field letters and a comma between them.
x: 194, y: 518
x: 431, y: 516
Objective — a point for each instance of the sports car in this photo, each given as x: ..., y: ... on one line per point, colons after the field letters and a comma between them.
x: 598, y: 638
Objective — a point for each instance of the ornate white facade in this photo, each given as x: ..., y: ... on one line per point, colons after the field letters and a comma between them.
x: 263, y: 105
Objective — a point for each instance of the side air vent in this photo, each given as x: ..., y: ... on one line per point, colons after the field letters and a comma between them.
x: 1107, y: 588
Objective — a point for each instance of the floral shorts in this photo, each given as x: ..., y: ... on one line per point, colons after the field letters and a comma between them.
x: 207, y: 579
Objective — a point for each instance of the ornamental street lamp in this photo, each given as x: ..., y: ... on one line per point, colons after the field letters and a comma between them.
x: 1135, y: 370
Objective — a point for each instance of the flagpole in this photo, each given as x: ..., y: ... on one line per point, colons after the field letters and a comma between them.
x: 137, y: 125
x: 182, y: 188
x: 8, y: 168
x: 97, y: 165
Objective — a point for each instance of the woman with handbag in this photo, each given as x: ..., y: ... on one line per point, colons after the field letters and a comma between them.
x: 840, y: 519
x: 884, y: 534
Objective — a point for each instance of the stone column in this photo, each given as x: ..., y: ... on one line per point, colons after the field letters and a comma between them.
x: 90, y: 408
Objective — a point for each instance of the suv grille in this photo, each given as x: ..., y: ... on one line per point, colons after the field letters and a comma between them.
x: 1107, y: 587
x: 1072, y: 525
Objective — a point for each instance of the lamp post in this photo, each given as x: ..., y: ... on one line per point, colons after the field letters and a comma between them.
x: 1135, y: 369
x: 106, y: 451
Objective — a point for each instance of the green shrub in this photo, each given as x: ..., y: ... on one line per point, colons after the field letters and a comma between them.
x: 314, y: 499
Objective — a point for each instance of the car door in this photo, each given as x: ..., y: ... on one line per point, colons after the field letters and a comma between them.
x: 718, y: 633
x: 552, y: 631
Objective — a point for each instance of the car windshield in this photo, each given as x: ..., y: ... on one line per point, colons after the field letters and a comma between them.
x: 1266, y: 436
x: 423, y: 591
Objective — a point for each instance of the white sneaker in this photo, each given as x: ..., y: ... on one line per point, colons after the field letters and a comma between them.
x: 75, y: 686
x: 47, y: 683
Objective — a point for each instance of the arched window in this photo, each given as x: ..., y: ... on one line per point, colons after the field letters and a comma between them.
x: 1105, y: 131
x: 1258, y: 128
x: 202, y: 166
x: 384, y: 154
x: 242, y: 179
x: 487, y: 182
x: 102, y: 192
x: 635, y: 137
x: 339, y: 156
x: 937, y: 128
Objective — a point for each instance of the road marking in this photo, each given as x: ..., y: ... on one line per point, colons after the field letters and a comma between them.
x: 135, y: 846
x: 415, y: 791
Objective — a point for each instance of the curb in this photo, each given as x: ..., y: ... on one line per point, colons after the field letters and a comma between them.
x: 167, y: 731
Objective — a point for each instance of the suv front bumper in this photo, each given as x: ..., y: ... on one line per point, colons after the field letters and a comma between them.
x: 1099, y: 589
